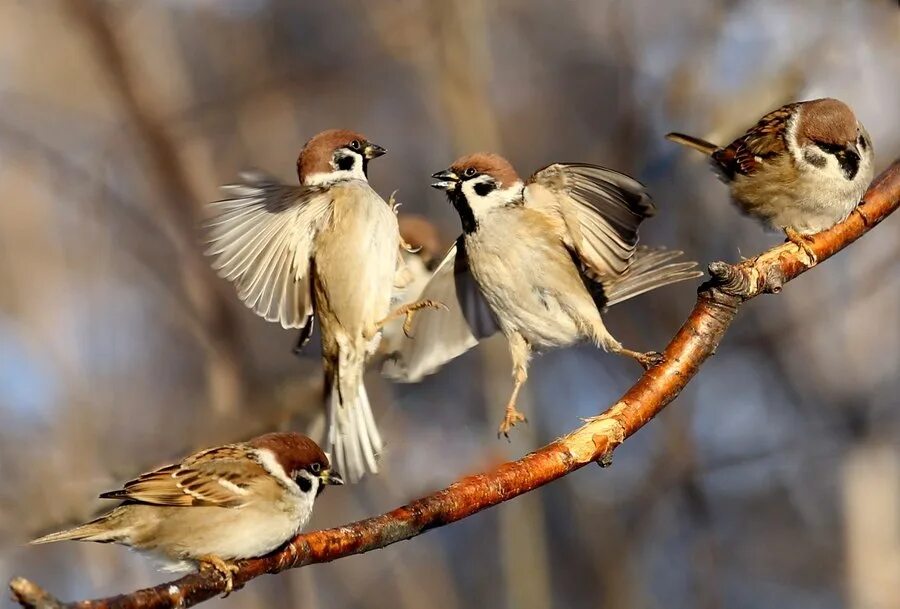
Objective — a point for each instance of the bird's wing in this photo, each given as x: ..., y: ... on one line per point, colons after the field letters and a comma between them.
x: 440, y: 336
x: 601, y: 209
x: 216, y: 477
x: 763, y: 141
x: 262, y: 240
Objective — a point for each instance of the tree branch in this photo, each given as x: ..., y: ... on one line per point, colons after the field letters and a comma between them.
x: 717, y: 304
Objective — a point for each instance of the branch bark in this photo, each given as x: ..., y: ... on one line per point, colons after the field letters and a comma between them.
x: 717, y: 304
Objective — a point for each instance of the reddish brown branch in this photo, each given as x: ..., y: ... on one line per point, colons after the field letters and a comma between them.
x: 716, y: 307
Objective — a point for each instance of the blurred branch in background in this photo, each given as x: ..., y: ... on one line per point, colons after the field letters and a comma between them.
x: 717, y: 305
x: 180, y: 213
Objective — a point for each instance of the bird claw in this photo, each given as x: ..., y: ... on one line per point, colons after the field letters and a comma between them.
x: 803, y: 242
x: 650, y: 359
x: 409, y: 311
x: 223, y: 568
x: 512, y: 417
x: 392, y: 202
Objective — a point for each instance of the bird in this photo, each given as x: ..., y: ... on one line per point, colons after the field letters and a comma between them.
x: 800, y: 169
x: 538, y: 261
x: 327, y: 248
x: 217, y: 505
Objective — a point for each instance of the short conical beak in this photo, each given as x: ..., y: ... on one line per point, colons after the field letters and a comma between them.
x: 373, y: 151
x: 330, y: 477
x: 447, y: 180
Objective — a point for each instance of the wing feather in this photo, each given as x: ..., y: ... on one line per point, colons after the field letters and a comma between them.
x: 217, y: 477
x: 262, y: 240
x: 602, y: 210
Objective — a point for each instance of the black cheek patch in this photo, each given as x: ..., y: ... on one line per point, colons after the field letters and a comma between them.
x: 863, y: 144
x: 345, y: 163
x: 816, y: 160
x: 483, y: 189
x: 849, y: 164
x: 304, y: 483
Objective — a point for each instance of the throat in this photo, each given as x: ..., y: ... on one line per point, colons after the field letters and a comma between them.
x: 466, y: 215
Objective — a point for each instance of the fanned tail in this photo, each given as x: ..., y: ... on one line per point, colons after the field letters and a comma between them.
x: 352, y: 433
x: 690, y: 141
x: 651, y: 268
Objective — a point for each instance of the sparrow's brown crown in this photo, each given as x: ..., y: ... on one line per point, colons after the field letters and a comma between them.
x: 488, y: 163
x: 826, y: 121
x: 316, y: 155
x: 293, y: 451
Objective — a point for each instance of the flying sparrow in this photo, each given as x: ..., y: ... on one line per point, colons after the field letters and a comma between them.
x: 801, y: 169
x: 330, y: 248
x: 537, y: 261
x: 218, y: 505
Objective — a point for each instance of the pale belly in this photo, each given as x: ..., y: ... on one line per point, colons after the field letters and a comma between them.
x: 807, y: 205
x: 531, y: 284
x: 356, y: 260
x: 187, y: 533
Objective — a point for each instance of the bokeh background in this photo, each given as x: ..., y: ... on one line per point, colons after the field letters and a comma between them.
x: 773, y: 481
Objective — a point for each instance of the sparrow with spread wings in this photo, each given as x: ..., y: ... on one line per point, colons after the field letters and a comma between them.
x: 538, y: 261
x: 328, y: 248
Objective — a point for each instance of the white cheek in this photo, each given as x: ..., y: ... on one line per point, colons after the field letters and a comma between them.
x: 324, y: 178
x: 270, y: 463
x: 496, y: 198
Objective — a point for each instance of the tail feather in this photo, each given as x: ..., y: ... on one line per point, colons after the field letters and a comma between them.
x: 651, y: 269
x: 692, y: 142
x: 352, y: 433
x: 105, y: 529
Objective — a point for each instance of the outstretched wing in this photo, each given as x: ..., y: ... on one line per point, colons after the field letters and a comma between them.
x: 601, y: 208
x: 262, y: 239
x: 440, y: 336
x: 216, y: 477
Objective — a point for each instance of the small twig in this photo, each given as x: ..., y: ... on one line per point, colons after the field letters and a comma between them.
x: 717, y: 304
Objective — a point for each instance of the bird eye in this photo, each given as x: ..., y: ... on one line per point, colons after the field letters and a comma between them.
x: 354, y: 144
x: 469, y: 172
x: 315, y: 468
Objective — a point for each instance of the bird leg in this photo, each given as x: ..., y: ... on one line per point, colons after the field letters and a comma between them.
x: 225, y: 569
x: 520, y: 354
x: 409, y: 310
x: 606, y: 340
x: 803, y: 242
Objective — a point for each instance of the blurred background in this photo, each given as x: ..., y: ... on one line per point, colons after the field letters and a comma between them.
x: 773, y: 481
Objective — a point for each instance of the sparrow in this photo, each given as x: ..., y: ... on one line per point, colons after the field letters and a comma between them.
x: 801, y: 169
x: 538, y: 261
x: 216, y: 506
x: 327, y: 248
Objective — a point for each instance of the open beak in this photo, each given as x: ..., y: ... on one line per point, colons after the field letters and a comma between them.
x: 331, y: 478
x: 372, y: 151
x: 447, y: 180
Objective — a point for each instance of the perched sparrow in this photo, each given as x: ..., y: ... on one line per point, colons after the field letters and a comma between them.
x: 801, y: 169
x: 218, y: 505
x: 537, y: 261
x: 328, y: 247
